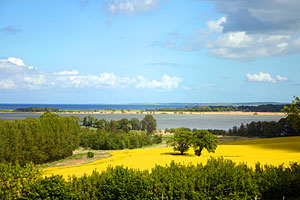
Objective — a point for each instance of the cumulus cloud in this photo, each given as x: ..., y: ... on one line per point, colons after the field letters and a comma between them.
x: 240, y: 45
x: 264, y: 77
x: 130, y: 7
x: 14, y: 74
x: 72, y: 72
x: 248, y: 30
x: 166, y: 82
x: 216, y: 26
x: 260, y: 16
x: 281, y: 78
x: 258, y: 28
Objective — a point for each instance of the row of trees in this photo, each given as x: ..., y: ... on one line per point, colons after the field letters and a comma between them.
x: 217, y: 179
x: 289, y: 126
x: 148, y: 124
x: 199, y: 140
x: 259, y: 108
x: 103, y: 140
x: 259, y: 129
x: 52, y: 137
x: 48, y: 138
x: 37, y: 109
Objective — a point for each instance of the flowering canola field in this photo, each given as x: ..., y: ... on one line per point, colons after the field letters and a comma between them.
x: 273, y: 151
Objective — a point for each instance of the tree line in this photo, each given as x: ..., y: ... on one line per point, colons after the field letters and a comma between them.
x: 37, y: 109
x: 217, y: 179
x: 48, y: 138
x: 289, y: 126
x: 259, y: 108
x: 102, y: 140
x: 51, y: 137
x: 148, y: 124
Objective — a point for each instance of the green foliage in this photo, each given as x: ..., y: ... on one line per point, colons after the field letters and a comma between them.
x: 203, y: 139
x: 276, y: 182
x: 53, y: 187
x: 49, y: 138
x: 149, y: 124
x: 157, y: 139
x: 200, y: 139
x: 181, y: 141
x: 103, y: 140
x: 90, y: 154
x: 122, y: 125
x: 293, y: 113
x: 259, y: 108
x: 217, y: 179
x: 15, y: 180
x: 114, y: 183
x: 259, y: 129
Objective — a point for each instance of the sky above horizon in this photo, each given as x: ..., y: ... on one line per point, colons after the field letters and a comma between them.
x: 149, y: 51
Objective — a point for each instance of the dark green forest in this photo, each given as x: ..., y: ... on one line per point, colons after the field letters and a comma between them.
x: 264, y: 129
x: 48, y: 138
x: 217, y: 179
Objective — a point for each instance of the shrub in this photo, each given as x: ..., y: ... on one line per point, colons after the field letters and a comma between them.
x: 90, y: 154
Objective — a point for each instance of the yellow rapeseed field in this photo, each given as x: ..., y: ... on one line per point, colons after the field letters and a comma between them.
x: 266, y: 151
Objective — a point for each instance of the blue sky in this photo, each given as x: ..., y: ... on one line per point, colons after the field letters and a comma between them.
x: 149, y: 51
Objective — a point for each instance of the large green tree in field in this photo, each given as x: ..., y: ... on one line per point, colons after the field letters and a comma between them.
x: 149, y: 124
x: 203, y: 139
x: 181, y: 141
x: 293, y: 113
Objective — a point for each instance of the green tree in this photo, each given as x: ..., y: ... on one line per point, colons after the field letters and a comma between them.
x: 136, y: 124
x: 293, y: 113
x: 181, y: 141
x: 125, y: 125
x: 203, y: 139
x: 149, y: 124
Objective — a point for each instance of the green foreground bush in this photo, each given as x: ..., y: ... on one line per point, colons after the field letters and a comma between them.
x: 218, y: 179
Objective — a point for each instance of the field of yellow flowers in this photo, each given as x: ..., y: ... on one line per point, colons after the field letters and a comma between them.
x: 266, y: 151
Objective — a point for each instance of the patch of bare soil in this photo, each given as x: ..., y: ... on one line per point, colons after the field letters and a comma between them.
x: 82, y: 160
x: 79, y: 157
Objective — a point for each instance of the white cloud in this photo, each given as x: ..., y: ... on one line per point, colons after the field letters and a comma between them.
x: 14, y: 74
x: 239, y: 45
x: 72, y: 72
x: 281, y: 78
x: 7, y: 84
x: 16, y: 61
x: 130, y: 7
x: 186, y: 88
x: 264, y: 77
x: 260, y: 77
x: 226, y: 41
x: 166, y: 83
x: 233, y: 40
x: 215, y: 26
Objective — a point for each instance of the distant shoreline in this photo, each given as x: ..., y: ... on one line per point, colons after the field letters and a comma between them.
x: 158, y: 112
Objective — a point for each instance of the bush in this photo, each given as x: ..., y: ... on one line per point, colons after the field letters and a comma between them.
x: 90, y: 154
